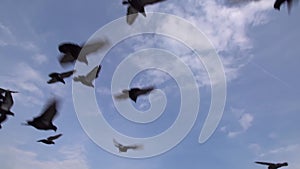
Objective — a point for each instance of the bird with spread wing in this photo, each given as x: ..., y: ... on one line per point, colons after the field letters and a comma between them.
x: 89, y: 78
x: 50, y: 139
x: 272, y: 165
x: 123, y: 148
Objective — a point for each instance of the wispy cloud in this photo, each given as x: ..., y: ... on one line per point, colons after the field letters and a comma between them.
x: 67, y: 157
x: 245, y: 122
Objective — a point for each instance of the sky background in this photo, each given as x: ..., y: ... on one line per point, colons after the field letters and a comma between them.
x: 258, y: 47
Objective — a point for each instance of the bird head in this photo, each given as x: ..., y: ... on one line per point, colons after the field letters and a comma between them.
x: 125, y: 2
x: 285, y: 164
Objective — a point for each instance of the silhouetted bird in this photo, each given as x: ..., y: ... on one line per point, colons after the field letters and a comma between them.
x: 137, y: 6
x: 273, y: 165
x: 123, y: 148
x: 7, y: 102
x: 134, y: 93
x: 44, y: 121
x: 72, y: 52
x: 278, y: 3
x: 89, y: 78
x: 50, y: 139
x: 59, y: 77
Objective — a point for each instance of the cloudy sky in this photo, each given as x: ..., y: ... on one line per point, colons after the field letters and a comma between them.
x: 256, y: 45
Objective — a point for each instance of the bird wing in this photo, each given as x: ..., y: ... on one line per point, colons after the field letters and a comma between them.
x: 53, y: 75
x: 49, y: 113
x: 145, y: 90
x: 92, y: 47
x: 278, y: 3
x: 264, y: 163
x: 149, y: 2
x: 117, y: 144
x: 93, y: 74
x: 3, y: 117
x: 54, y: 137
x: 134, y: 147
x: 132, y: 14
x: 67, y: 74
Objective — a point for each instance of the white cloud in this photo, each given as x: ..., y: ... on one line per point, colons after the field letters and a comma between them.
x: 66, y: 158
x: 245, y: 122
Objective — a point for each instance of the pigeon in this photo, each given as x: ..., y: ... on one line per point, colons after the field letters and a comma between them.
x: 59, y: 77
x: 7, y: 102
x: 44, y: 121
x: 273, y: 165
x: 89, y: 78
x: 50, y: 139
x: 135, y: 7
x: 123, y: 148
x: 134, y: 93
x: 72, y: 52
x: 278, y: 3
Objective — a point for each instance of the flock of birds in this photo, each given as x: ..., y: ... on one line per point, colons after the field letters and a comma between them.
x: 73, y: 52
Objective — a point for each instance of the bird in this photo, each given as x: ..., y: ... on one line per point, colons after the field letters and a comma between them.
x: 273, y: 165
x: 89, y: 78
x: 278, y: 3
x: 7, y: 102
x: 123, y: 148
x: 134, y: 93
x: 44, y: 121
x: 50, y: 139
x: 59, y: 77
x: 135, y: 7
x: 72, y: 52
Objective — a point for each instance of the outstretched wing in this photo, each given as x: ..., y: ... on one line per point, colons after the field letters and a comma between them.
x: 135, y: 147
x: 131, y: 15
x: 67, y: 74
x: 149, y: 2
x: 117, y: 144
x: 49, y: 113
x: 264, y: 163
x: 92, y: 47
x: 145, y: 90
x: 54, y: 137
x: 93, y: 74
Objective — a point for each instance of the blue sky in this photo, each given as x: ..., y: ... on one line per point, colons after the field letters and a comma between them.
x: 259, y: 50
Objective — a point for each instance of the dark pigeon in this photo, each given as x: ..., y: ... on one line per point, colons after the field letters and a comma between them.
x: 134, y: 93
x: 273, y: 165
x: 72, y: 52
x: 50, y: 139
x: 137, y: 6
x: 44, y: 121
x: 59, y: 77
x: 123, y: 148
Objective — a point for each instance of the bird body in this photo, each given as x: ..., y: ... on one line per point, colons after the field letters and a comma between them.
x: 278, y: 3
x: 123, y: 148
x: 134, y: 93
x: 44, y: 121
x: 50, y: 139
x: 137, y: 6
x: 273, y: 165
x: 89, y: 78
x: 59, y: 77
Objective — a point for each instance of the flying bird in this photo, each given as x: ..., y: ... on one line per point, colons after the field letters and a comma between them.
x: 72, y: 52
x: 7, y: 102
x: 50, y: 139
x: 59, y: 77
x: 123, y: 148
x: 89, y: 78
x: 137, y: 6
x: 44, y: 121
x: 273, y: 165
x: 278, y: 3
x: 134, y: 93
